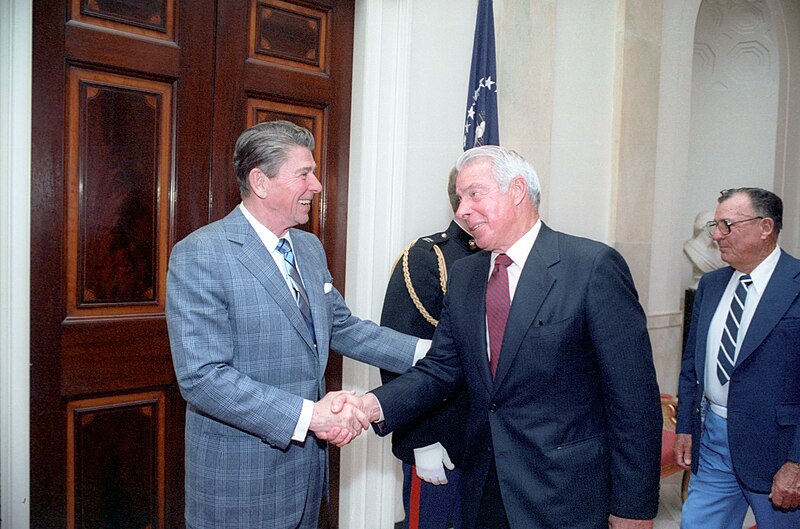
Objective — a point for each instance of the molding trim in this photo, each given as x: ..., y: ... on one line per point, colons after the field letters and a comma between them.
x: 370, y: 483
x: 16, y: 23
x: 663, y: 320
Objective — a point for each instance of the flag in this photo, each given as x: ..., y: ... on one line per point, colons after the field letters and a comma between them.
x: 480, y: 127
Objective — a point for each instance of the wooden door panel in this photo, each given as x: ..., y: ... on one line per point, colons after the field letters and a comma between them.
x: 106, y: 430
x: 123, y: 51
x: 150, y: 18
x: 113, y: 356
x: 119, y: 159
x: 290, y: 34
x: 136, y: 108
x: 116, y: 480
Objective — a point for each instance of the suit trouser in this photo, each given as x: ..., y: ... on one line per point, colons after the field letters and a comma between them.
x: 492, y: 511
x: 436, y: 505
x: 716, y: 499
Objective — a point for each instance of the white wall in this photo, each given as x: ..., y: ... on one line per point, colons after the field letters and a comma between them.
x: 579, y: 197
x: 15, y: 72
x: 670, y: 228
x: 439, y: 55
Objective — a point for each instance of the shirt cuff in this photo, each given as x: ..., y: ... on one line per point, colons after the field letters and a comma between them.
x: 382, y: 419
x: 301, y: 430
x: 422, y: 349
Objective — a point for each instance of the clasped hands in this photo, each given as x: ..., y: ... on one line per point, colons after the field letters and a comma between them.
x: 342, y: 415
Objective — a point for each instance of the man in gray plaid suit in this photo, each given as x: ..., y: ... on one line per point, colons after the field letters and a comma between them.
x: 252, y: 313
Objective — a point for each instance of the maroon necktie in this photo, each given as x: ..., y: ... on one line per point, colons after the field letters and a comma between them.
x: 498, y: 302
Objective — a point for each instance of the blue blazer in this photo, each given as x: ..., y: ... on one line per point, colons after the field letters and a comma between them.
x: 764, y: 393
x: 245, y: 360
x: 572, y: 418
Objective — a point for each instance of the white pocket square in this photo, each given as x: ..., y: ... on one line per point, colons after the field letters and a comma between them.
x: 327, y: 287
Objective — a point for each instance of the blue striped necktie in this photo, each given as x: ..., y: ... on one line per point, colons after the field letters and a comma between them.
x: 726, y: 358
x: 297, y: 285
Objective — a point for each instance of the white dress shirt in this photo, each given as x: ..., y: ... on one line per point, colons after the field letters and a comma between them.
x: 270, y: 241
x: 716, y: 393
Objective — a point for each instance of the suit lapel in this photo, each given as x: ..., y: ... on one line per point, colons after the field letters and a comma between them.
x: 476, y: 315
x: 311, y: 270
x: 781, y: 291
x: 258, y: 261
x: 534, y: 284
x: 712, y: 294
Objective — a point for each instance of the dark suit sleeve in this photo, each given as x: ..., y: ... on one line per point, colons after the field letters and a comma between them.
x: 445, y: 422
x: 399, y: 312
x: 688, y: 383
x: 618, y: 330
x: 432, y: 379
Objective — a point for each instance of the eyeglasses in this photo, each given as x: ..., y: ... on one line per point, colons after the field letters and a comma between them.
x: 724, y: 225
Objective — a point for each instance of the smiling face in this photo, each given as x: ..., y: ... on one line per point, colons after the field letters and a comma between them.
x: 749, y: 242
x: 285, y: 199
x: 496, y: 219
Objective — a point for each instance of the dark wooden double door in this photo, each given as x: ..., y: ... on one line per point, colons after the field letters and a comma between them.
x: 136, y: 108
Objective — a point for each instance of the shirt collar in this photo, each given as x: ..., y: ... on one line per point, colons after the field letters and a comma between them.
x: 762, y: 273
x: 519, y: 251
x: 269, y: 239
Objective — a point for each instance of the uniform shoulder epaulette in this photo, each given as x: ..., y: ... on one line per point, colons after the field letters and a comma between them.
x: 431, y: 241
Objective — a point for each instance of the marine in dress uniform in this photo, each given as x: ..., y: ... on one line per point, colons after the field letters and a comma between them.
x: 412, y: 305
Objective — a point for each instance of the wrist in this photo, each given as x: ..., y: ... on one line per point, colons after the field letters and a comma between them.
x: 372, y: 407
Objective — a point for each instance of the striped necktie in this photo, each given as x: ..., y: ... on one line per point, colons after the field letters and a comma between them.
x: 498, y: 303
x: 726, y: 358
x: 297, y: 285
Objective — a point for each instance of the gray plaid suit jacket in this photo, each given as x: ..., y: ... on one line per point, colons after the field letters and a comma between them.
x: 245, y: 360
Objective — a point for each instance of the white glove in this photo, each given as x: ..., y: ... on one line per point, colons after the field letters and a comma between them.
x: 430, y: 462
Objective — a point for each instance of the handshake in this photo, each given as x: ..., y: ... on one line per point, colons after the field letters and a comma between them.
x: 341, y: 416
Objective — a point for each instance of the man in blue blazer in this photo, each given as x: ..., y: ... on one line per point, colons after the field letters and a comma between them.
x: 252, y: 314
x: 564, y: 424
x: 739, y: 393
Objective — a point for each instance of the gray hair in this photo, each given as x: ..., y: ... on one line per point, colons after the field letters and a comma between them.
x: 765, y: 203
x: 506, y: 165
x: 266, y: 145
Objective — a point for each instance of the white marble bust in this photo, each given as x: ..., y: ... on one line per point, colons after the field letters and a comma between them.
x: 701, y: 249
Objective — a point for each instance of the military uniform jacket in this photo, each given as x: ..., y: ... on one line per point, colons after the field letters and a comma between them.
x: 445, y: 423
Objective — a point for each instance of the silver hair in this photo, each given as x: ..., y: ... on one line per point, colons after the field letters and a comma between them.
x: 506, y: 165
x: 266, y: 146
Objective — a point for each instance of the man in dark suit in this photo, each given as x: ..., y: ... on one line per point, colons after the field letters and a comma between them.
x: 252, y: 314
x: 564, y: 425
x: 739, y: 394
x: 431, y: 448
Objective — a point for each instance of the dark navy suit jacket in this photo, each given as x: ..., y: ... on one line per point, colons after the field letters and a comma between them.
x: 764, y: 393
x: 572, y: 418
